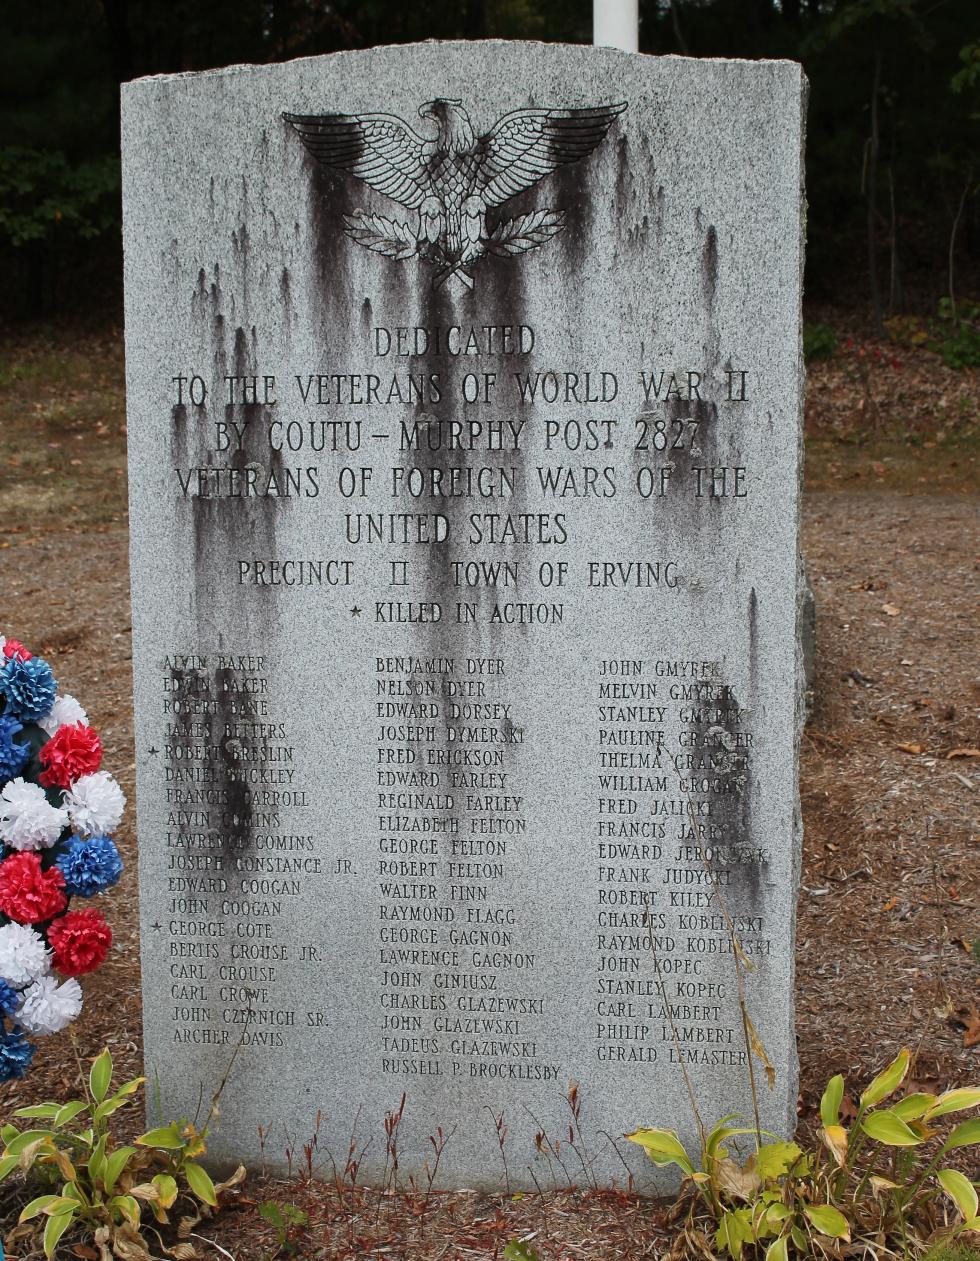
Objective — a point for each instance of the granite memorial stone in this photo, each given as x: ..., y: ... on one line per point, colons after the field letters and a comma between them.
x: 464, y: 396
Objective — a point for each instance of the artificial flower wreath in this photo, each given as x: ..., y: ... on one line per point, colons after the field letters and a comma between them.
x: 57, y: 809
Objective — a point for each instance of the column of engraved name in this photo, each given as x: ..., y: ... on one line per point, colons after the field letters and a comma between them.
x: 457, y: 994
x: 237, y: 862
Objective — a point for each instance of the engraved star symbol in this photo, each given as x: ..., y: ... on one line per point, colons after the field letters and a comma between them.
x: 355, y: 611
x: 153, y: 750
x: 157, y: 927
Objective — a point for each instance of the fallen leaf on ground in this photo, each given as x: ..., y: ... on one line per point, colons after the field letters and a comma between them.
x: 892, y: 610
x: 890, y: 904
x: 966, y: 752
x: 969, y: 1018
x: 909, y: 748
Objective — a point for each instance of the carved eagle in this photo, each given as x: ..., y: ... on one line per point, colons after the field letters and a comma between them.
x: 453, y: 178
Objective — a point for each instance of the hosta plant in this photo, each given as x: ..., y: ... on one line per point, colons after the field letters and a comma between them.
x: 881, y: 1181
x: 115, y: 1196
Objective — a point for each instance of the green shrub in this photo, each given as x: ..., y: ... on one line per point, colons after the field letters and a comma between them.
x: 959, y: 339
x: 819, y: 342
x: 866, y: 1182
x: 283, y: 1217
x: 92, y: 1181
x: 952, y: 1252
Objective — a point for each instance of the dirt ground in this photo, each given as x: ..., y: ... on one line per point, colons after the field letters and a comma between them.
x: 890, y: 768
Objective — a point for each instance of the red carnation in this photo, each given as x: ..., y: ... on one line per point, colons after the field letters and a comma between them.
x: 14, y: 648
x: 28, y: 894
x: 80, y: 941
x: 74, y: 750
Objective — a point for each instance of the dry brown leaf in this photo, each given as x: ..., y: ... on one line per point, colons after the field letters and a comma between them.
x: 848, y: 1108
x: 85, y: 1252
x: 741, y: 1184
x: 127, y: 1245
x: 890, y: 904
x: 186, y: 1225
x: 756, y: 1043
x: 232, y: 1183
x: 965, y: 752
x: 835, y: 1136
x: 909, y: 748
x: 971, y: 1035
x: 891, y: 610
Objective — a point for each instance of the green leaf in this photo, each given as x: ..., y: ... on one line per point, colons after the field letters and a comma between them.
x: 965, y: 1134
x: 8, y: 1131
x: 167, y: 1188
x: 663, y: 1147
x: 36, y: 1207
x: 778, y: 1250
x: 128, y: 1206
x: 73, y: 1191
x: 735, y: 1231
x: 68, y: 1113
x: 166, y: 1136
x: 714, y: 1148
x: 114, y: 1166
x: 520, y: 1252
x: 828, y: 1220
x: 830, y: 1100
x: 123, y: 1095
x: 100, y: 1076
x: 951, y: 1101
x: 718, y: 1135
x: 61, y: 1204
x: 96, y: 1161
x: 55, y: 1228
x: 887, y: 1081
x: 199, y: 1181
x: 7, y: 1165
x: 772, y: 1160
x: 272, y: 1213
x: 912, y: 1106
x: 960, y: 1190
x: 885, y: 1127
x: 47, y: 1110
x: 24, y: 1139
x: 800, y: 1240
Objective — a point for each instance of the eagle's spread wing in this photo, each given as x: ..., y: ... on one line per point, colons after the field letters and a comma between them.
x: 377, y: 148
x: 528, y: 144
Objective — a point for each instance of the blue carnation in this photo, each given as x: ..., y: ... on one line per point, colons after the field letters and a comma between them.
x: 9, y: 999
x: 29, y: 687
x: 89, y: 865
x: 13, y: 756
x: 16, y: 1054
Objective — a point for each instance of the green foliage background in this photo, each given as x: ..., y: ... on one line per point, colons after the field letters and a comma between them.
x: 61, y: 62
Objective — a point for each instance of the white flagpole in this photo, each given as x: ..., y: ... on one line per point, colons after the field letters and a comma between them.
x: 616, y: 24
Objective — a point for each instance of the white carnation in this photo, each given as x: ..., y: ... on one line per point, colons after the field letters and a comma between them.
x: 3, y: 641
x: 95, y: 804
x: 64, y: 711
x: 47, y: 1007
x: 27, y: 818
x: 23, y: 955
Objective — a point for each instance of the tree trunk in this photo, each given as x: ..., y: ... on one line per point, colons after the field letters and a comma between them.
x: 894, y: 276
x: 952, y: 245
x: 872, y: 198
x: 675, y: 18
